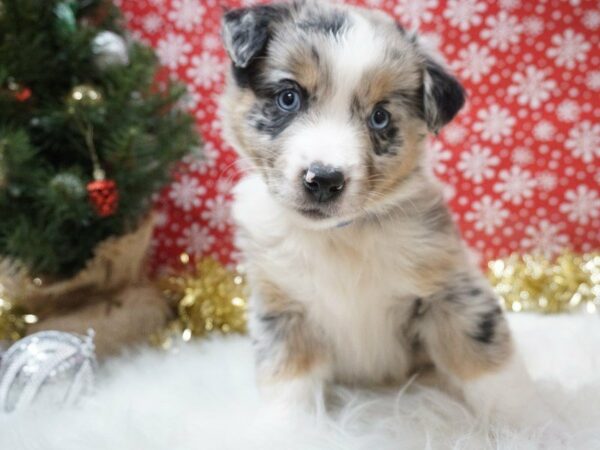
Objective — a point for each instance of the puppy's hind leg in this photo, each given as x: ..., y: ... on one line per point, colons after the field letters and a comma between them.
x: 467, y: 337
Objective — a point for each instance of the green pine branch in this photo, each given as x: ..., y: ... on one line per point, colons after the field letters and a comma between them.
x: 46, y: 219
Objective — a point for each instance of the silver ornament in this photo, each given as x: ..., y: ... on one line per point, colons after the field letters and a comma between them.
x: 109, y: 49
x: 68, y: 184
x: 49, y: 367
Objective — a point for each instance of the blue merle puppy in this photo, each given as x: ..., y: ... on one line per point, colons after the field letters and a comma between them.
x: 358, y: 273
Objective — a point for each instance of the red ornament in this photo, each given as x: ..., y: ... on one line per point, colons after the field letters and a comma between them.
x: 23, y: 94
x: 104, y: 196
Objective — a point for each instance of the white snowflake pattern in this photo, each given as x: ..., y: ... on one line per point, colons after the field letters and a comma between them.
x: 196, y: 239
x: 531, y: 88
x: 205, y: 70
x: 477, y: 164
x: 515, y: 185
x: 545, y: 239
x: 436, y: 157
x: 464, y: 13
x: 510, y: 4
x: 225, y: 186
x: 152, y: 23
x: 186, y: 193
x: 533, y: 26
x: 591, y: 19
x: 430, y: 41
x: 172, y: 50
x: 454, y: 133
x: 474, y: 62
x: 584, y: 141
x: 415, y: 12
x: 522, y: 156
x: 568, y: 111
x: 211, y: 42
x: 581, y: 205
x: 487, y: 214
x: 494, y: 123
x: 592, y: 80
x: 544, y: 130
x: 186, y: 14
x: 190, y: 100
x: 161, y: 218
x: 206, y: 161
x: 546, y: 181
x: 503, y: 31
x: 568, y: 48
x: 218, y: 213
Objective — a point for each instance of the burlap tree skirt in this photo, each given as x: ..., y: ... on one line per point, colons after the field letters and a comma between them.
x: 111, y: 295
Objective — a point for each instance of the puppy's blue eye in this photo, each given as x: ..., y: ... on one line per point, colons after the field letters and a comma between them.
x: 289, y: 100
x: 379, y: 119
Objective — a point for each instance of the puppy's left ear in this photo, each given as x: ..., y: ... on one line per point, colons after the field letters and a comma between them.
x: 246, y: 31
x: 443, y: 95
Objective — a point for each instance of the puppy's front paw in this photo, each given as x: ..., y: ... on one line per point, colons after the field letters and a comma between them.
x: 298, y: 398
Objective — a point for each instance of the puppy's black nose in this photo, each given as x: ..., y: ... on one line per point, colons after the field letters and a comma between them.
x: 323, y: 183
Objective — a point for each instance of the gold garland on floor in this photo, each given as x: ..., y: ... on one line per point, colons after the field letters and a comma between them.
x: 13, y: 321
x: 207, y: 297
x: 13, y: 318
x: 532, y: 283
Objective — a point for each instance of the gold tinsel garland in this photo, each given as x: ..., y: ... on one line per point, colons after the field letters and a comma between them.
x: 13, y: 318
x: 13, y: 322
x: 208, y: 297
x: 535, y: 284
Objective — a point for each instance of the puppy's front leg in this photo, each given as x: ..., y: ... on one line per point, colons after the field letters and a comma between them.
x: 292, y: 367
x: 468, y: 339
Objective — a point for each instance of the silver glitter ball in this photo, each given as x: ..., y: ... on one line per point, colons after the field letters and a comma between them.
x: 49, y: 367
x: 109, y: 49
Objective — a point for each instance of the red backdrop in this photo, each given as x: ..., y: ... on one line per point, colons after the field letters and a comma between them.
x: 520, y: 165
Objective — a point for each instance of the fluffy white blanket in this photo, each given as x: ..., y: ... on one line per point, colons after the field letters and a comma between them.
x: 204, y: 397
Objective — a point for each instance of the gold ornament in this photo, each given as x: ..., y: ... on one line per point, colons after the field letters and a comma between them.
x: 208, y: 298
x: 533, y: 283
x: 84, y: 95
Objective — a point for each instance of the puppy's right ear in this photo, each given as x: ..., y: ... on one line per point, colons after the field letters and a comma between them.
x: 246, y: 31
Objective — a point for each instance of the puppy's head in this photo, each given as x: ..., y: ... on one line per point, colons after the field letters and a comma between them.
x: 332, y: 104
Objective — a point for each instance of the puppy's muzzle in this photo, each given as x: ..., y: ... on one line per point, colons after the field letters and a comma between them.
x: 323, y: 183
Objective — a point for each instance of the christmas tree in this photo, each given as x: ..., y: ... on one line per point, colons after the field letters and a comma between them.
x: 88, y: 131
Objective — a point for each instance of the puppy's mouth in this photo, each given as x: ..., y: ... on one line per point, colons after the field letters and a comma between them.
x: 313, y: 213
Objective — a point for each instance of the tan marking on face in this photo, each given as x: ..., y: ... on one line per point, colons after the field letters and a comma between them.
x: 307, y: 72
x: 392, y: 171
x: 237, y: 103
x: 377, y: 85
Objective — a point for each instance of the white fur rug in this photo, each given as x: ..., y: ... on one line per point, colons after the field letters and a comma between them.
x: 203, y: 397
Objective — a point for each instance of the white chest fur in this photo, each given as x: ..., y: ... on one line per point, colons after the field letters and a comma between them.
x: 355, y: 286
